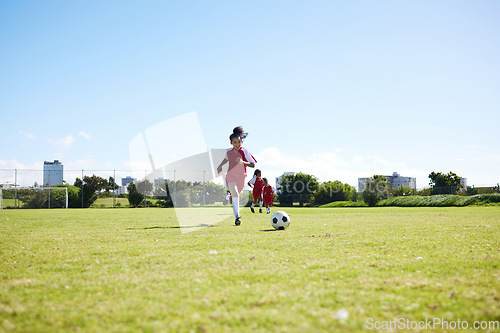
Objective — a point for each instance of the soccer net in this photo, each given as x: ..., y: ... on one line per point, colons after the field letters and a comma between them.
x: 34, y: 197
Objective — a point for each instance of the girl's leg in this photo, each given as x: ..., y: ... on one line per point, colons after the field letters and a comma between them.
x: 235, y: 196
x: 260, y: 204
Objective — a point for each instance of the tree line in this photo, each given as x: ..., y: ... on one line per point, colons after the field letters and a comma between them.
x: 305, y: 189
x: 301, y: 188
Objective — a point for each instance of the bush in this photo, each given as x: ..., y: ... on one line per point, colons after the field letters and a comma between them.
x: 333, y: 191
x: 250, y: 199
x: 135, y: 198
x: 442, y: 200
x: 344, y: 204
x: 285, y: 200
x: 182, y: 198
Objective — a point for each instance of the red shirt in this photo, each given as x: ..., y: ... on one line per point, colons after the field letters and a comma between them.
x: 268, y: 192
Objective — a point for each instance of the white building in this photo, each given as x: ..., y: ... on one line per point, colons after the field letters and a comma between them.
x: 121, y: 190
x: 52, y: 173
x: 394, y: 181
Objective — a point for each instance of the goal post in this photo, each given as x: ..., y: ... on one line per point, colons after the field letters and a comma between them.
x: 34, y: 197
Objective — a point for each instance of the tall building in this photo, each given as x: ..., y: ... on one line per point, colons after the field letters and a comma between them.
x: 127, y: 180
x: 52, y: 173
x: 394, y: 181
x: 463, y: 182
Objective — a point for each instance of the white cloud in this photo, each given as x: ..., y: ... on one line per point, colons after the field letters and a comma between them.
x: 27, y: 135
x: 62, y: 143
x: 85, y: 135
x: 13, y: 171
x: 331, y: 166
x: 325, y: 166
x: 15, y: 164
x: 88, y: 164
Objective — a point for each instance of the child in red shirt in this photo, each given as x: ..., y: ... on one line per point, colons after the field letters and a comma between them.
x: 267, y: 194
x: 258, y: 185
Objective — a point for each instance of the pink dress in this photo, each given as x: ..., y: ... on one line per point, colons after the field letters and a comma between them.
x: 237, y: 172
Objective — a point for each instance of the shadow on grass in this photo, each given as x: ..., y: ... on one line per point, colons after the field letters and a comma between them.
x: 148, y: 228
x: 176, y: 227
x: 267, y: 230
x: 194, y: 226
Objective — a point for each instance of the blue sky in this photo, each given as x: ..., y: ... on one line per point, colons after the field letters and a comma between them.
x: 334, y: 88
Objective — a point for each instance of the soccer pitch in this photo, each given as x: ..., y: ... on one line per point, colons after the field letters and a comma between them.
x: 332, y: 270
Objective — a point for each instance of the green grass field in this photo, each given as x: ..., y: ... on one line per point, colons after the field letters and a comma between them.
x: 108, y: 202
x: 129, y: 270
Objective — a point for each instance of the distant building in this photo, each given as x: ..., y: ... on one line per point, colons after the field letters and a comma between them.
x: 160, y: 182
x: 280, y: 178
x: 463, y: 181
x: 394, y: 181
x: 52, y: 173
x: 127, y: 180
x: 121, y: 190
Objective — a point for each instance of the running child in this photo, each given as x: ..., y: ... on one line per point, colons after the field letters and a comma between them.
x: 257, y: 184
x: 267, y: 194
x: 239, y: 159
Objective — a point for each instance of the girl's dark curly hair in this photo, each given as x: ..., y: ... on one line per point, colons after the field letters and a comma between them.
x: 238, y: 133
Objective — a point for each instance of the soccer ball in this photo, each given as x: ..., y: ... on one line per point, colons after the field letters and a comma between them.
x: 280, y: 220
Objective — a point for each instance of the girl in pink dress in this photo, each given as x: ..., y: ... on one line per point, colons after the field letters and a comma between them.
x: 239, y: 159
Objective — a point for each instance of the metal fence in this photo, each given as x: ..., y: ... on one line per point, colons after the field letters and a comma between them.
x: 15, y: 179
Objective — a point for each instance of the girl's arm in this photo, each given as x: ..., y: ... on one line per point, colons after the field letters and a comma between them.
x: 249, y: 157
x: 248, y: 164
x: 219, y: 168
x: 252, y: 181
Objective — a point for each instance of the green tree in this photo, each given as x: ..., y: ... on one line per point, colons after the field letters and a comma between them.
x: 91, y: 186
x: 208, y: 193
x: 214, y: 193
x: 442, y: 183
x: 135, y: 197
x: 144, y: 187
x: 162, y: 195
x: 182, y: 193
x: 401, y: 191
x: 375, y: 190
x: 8, y: 193
x: 299, y: 187
x: 333, y: 191
x: 111, y: 185
x: 74, y: 199
x: 37, y: 198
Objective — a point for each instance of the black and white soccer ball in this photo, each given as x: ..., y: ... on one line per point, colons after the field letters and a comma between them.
x: 280, y: 220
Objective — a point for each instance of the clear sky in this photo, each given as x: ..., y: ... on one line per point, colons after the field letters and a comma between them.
x: 339, y: 89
